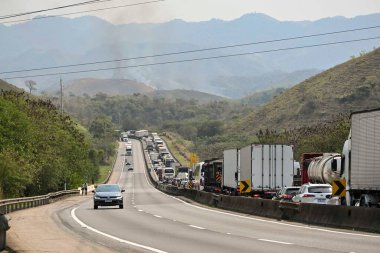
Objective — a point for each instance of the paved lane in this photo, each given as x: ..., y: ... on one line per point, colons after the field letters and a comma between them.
x: 158, y: 222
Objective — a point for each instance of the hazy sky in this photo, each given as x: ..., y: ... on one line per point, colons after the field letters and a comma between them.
x: 197, y: 10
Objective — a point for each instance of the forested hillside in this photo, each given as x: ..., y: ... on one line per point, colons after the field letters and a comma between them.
x: 351, y: 86
x: 40, y: 149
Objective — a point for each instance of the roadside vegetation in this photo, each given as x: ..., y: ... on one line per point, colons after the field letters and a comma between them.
x: 42, y: 150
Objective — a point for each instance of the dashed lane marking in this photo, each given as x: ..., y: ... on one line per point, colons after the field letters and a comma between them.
x: 83, y: 225
x: 266, y: 240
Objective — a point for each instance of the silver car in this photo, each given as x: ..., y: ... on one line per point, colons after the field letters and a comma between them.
x: 108, y: 195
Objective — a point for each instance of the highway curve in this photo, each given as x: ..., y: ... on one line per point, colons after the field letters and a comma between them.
x: 152, y: 221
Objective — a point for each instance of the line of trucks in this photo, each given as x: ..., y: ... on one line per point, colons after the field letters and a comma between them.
x: 267, y: 168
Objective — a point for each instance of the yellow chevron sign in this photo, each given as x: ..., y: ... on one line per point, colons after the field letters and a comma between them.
x: 339, y: 187
x: 245, y: 186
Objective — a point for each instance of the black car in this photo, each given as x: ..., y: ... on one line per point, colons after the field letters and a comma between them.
x: 108, y: 195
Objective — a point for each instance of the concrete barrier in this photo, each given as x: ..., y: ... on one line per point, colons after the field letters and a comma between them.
x: 357, y: 218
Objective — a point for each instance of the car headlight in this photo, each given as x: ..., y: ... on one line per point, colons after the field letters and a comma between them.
x: 119, y: 197
x: 96, y: 197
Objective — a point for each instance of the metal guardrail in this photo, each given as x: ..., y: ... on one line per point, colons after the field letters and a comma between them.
x: 113, y: 166
x: 11, y: 205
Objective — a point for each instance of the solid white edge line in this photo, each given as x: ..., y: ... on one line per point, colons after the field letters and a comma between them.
x: 83, y: 225
x: 258, y: 219
x: 266, y: 240
x: 268, y: 221
x: 157, y: 216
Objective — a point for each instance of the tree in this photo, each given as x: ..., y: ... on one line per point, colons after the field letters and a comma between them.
x: 30, y: 85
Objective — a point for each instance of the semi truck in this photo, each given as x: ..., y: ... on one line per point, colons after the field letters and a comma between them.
x: 361, y: 160
x: 141, y: 133
x: 267, y: 167
x: 128, y: 149
x: 324, y: 169
x: 302, y: 177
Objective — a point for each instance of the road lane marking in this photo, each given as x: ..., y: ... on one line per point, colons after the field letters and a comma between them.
x: 193, y: 226
x: 83, y: 225
x: 157, y: 216
x: 266, y: 240
x: 141, y: 210
x: 268, y: 221
x: 258, y: 219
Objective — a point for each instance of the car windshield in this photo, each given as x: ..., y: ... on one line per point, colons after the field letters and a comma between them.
x: 108, y: 188
x: 320, y: 189
x: 291, y: 190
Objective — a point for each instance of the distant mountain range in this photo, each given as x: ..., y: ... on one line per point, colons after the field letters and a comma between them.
x: 62, y: 41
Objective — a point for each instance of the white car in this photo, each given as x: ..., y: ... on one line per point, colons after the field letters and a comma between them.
x: 316, y: 194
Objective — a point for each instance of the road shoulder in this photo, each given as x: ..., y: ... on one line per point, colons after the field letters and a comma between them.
x: 40, y: 230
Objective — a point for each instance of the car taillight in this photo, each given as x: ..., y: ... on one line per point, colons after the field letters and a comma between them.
x: 287, y: 196
x: 308, y: 196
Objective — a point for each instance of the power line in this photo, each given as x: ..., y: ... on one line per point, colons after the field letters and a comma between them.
x: 80, y: 12
x: 191, y: 51
x: 194, y: 59
x: 54, y: 8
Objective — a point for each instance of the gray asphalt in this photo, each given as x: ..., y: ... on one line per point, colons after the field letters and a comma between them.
x: 160, y: 223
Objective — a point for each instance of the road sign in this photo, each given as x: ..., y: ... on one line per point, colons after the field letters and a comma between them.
x: 245, y: 186
x: 339, y: 188
x: 193, y: 158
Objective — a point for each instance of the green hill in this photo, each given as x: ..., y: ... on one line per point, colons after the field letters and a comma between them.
x: 4, y: 86
x: 351, y: 86
x: 262, y: 97
x: 111, y: 87
x: 187, y: 95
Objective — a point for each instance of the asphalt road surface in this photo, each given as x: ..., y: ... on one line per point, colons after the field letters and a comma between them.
x: 152, y: 221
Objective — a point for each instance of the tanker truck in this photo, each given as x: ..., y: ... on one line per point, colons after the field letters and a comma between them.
x: 324, y: 169
x: 361, y: 160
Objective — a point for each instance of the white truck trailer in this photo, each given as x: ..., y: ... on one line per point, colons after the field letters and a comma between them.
x: 231, y: 170
x: 267, y: 167
x: 361, y: 160
x: 141, y: 133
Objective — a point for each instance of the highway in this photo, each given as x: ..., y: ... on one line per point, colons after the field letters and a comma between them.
x: 152, y: 221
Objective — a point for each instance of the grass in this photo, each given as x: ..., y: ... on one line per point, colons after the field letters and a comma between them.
x: 103, y: 171
x: 178, y: 147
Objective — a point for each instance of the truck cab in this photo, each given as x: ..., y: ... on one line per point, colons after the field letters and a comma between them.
x: 213, y: 175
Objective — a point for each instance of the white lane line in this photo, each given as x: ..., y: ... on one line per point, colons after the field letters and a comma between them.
x: 157, y: 216
x: 83, y: 225
x: 141, y: 210
x: 269, y: 221
x: 258, y: 219
x: 193, y: 226
x: 266, y: 240
x: 228, y: 233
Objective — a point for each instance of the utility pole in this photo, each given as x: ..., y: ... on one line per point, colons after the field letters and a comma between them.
x: 60, y: 82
